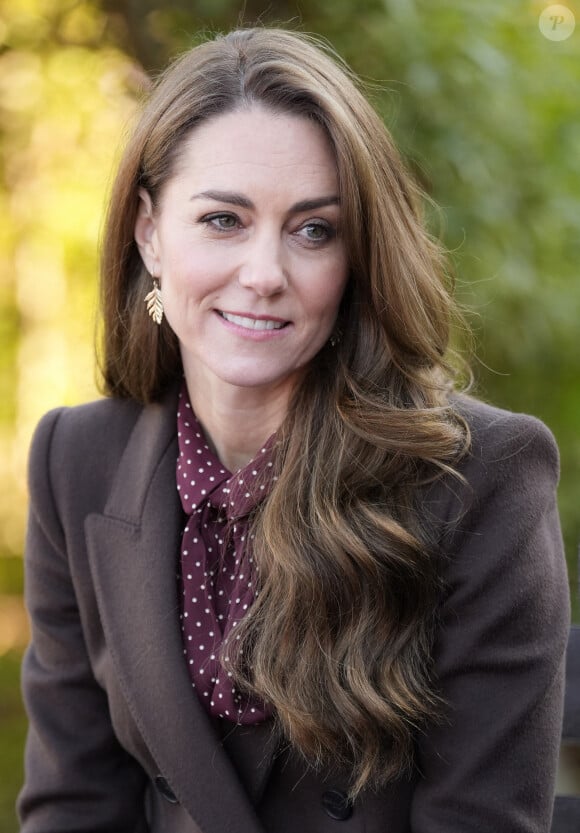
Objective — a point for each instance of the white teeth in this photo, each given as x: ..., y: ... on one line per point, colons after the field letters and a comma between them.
x: 252, y: 323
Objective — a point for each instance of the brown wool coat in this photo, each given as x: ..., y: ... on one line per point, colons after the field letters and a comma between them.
x: 118, y: 742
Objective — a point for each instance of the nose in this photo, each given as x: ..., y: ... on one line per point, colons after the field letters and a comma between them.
x: 263, y: 268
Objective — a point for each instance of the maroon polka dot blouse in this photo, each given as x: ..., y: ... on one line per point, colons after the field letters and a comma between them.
x: 217, y: 571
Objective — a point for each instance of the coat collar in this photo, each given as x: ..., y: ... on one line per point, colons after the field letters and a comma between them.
x: 133, y: 551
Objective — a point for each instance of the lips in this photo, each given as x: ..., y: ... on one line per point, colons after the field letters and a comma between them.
x: 251, y: 323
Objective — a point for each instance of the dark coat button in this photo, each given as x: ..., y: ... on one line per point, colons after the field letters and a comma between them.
x: 337, y: 805
x: 165, y: 789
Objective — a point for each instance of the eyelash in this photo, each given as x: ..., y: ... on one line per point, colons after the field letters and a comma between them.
x: 214, y: 220
x: 210, y: 220
x: 327, y: 228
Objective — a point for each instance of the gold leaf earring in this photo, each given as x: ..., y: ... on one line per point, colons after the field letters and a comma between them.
x: 154, y: 302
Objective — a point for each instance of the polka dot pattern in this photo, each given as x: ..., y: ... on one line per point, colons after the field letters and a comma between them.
x: 217, y: 572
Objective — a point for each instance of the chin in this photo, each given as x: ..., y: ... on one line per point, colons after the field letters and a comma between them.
x: 252, y: 377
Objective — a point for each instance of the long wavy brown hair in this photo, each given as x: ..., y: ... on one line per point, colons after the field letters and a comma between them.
x: 340, y: 635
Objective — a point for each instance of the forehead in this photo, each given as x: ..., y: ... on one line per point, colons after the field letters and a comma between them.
x: 258, y: 145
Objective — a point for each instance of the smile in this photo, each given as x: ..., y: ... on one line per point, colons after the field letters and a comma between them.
x: 253, y: 323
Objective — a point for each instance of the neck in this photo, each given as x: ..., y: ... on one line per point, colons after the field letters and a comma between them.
x: 237, y: 421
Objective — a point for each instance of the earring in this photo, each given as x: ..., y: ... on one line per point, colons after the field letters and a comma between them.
x: 335, y: 337
x: 154, y: 302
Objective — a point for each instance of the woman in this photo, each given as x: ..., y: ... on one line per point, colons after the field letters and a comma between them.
x: 283, y: 576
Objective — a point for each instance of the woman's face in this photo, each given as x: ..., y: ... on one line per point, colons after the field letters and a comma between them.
x: 247, y: 247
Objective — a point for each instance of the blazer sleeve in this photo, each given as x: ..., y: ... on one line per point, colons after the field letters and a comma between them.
x: 77, y: 776
x: 490, y: 765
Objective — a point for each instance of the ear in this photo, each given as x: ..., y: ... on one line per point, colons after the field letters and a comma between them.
x: 146, y: 234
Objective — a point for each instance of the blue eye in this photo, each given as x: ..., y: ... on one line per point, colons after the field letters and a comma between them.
x: 317, y: 232
x: 221, y: 222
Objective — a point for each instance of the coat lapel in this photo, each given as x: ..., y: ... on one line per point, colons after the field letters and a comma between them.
x: 133, y: 550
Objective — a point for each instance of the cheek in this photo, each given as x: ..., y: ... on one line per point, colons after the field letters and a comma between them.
x: 194, y: 269
x: 327, y: 299
x: 183, y: 277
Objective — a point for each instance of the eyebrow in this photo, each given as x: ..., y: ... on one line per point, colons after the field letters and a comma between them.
x: 243, y: 202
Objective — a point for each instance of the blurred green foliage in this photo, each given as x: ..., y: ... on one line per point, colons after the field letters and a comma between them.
x: 12, y: 732
x: 484, y: 108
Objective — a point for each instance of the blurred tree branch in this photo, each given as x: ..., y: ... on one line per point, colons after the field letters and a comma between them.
x: 146, y: 29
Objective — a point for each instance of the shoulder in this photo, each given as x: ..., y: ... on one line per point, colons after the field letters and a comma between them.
x: 511, y: 464
x: 79, y: 455
x: 498, y: 527
x: 90, y: 433
x: 85, y: 423
x: 75, y: 452
x: 502, y: 441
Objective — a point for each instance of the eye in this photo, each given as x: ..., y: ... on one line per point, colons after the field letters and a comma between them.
x: 221, y: 222
x: 317, y: 231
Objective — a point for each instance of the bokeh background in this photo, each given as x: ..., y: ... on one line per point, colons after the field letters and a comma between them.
x: 485, y: 109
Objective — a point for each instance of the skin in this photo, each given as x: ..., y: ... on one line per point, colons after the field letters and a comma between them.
x: 246, y: 244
